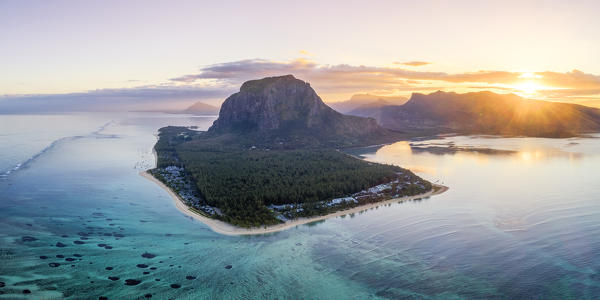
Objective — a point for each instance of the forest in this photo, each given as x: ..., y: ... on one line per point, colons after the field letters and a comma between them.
x: 242, y: 181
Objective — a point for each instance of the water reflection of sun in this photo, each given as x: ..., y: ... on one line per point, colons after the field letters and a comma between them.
x: 530, y: 155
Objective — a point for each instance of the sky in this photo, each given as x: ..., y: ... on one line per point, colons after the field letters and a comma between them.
x: 156, y: 52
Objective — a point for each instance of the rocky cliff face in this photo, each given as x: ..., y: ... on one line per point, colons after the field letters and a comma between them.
x: 288, y: 106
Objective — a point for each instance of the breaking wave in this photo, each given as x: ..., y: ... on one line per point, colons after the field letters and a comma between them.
x: 24, y: 164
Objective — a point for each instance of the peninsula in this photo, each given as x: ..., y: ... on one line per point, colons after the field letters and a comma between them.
x: 272, y: 160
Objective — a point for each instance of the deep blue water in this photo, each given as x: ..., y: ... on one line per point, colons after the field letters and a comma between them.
x: 514, y: 225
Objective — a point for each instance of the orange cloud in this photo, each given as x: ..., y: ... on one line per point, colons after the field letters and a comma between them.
x: 304, y: 52
x: 413, y: 63
x: 344, y: 78
x: 339, y: 82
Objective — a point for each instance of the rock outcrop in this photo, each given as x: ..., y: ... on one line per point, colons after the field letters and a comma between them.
x: 284, y: 106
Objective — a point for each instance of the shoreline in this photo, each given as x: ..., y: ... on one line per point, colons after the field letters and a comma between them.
x: 228, y: 229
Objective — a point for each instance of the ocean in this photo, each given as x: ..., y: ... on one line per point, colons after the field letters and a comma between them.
x: 521, y: 220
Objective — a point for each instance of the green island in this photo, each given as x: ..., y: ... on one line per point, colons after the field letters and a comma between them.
x: 274, y: 155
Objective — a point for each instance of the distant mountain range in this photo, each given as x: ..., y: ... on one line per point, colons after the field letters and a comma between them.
x: 201, y: 108
x: 485, y: 113
x: 361, y: 102
x: 287, y: 110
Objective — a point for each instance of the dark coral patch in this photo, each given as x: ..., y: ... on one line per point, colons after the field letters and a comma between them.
x: 146, y: 273
x: 132, y: 282
x: 148, y: 296
x: 102, y: 245
x: 54, y: 264
x: 28, y: 239
x: 60, y: 256
x: 60, y: 245
x: 69, y: 259
x: 113, y: 278
x: 148, y: 255
x: 108, y: 247
x: 108, y: 268
x: 175, y: 285
x: 190, y: 277
x: 228, y: 267
x: 142, y: 266
x: 26, y: 292
x: 78, y: 242
x: 43, y: 257
x: 77, y: 255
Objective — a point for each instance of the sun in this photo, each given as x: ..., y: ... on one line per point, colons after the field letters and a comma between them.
x: 528, y: 87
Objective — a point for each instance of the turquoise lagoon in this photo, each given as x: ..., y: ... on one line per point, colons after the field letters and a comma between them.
x: 521, y: 221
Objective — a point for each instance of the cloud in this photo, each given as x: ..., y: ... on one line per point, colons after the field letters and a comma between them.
x: 332, y: 82
x: 413, y: 63
x: 567, y: 93
x: 574, y: 79
x: 344, y: 78
x: 307, y: 53
x: 239, y: 71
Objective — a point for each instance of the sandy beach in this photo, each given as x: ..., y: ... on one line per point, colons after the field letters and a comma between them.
x: 228, y: 229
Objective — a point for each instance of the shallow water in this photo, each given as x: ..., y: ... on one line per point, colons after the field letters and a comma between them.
x: 518, y: 223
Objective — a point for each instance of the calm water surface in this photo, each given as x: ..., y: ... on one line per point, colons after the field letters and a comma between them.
x: 521, y: 220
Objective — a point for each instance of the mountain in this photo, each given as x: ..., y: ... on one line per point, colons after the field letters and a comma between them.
x: 489, y: 113
x: 273, y: 155
x: 286, y: 109
x: 201, y: 108
x: 359, y: 102
x: 371, y: 110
